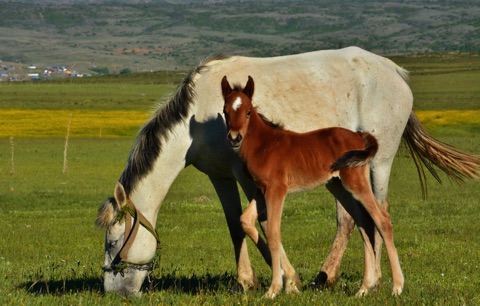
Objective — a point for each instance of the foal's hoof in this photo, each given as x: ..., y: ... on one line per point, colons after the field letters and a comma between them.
x: 270, y: 295
x: 272, y: 292
x: 363, y: 291
x: 397, y: 291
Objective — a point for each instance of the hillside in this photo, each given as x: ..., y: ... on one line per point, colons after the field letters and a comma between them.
x: 160, y: 35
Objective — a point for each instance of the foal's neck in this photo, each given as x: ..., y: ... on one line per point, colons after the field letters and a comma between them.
x: 259, y: 132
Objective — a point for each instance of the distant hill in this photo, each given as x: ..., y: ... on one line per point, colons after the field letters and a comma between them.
x: 168, y: 35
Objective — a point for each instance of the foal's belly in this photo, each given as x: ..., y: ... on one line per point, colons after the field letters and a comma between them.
x: 307, y: 182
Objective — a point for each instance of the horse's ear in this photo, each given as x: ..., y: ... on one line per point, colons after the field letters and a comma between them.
x: 120, y: 195
x: 249, y: 88
x: 226, y: 89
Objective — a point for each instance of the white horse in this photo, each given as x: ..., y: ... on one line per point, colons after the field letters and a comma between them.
x: 352, y: 88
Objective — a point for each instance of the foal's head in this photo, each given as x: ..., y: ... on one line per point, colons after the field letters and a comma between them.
x: 237, y: 109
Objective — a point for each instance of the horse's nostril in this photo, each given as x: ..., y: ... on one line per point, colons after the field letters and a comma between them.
x: 239, y: 138
x: 229, y: 136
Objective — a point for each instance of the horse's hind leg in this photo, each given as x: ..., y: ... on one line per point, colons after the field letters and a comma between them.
x: 330, y: 270
x: 347, y: 208
x: 227, y: 192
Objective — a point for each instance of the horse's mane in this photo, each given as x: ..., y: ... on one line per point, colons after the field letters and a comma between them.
x: 157, y: 129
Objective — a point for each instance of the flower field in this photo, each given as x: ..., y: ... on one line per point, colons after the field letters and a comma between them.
x: 84, y: 123
x: 436, y: 118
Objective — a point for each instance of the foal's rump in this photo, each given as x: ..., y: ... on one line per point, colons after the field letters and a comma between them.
x: 357, y: 158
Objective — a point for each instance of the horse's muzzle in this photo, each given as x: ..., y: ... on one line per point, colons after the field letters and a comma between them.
x: 235, y: 140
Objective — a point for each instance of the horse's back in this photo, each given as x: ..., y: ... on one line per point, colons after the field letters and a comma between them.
x: 316, y: 89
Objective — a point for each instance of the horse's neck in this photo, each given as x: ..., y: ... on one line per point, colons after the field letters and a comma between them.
x: 150, y: 190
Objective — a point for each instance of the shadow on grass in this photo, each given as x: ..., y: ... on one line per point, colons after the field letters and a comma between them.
x: 59, y: 287
x: 186, y: 284
x: 193, y: 284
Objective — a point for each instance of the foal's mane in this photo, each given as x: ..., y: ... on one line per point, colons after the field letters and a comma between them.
x: 157, y: 129
x: 274, y: 125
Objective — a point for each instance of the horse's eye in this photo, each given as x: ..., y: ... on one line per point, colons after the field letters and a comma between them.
x: 248, y: 113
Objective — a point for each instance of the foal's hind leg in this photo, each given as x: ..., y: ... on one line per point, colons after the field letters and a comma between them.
x: 380, y: 175
x: 248, y: 219
x: 356, y: 180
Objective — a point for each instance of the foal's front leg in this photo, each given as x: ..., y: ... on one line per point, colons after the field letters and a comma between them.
x: 248, y: 218
x: 274, y: 197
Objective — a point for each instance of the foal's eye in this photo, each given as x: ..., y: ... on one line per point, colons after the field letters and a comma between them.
x: 248, y: 113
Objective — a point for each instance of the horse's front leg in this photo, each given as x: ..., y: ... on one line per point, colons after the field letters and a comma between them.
x: 227, y: 192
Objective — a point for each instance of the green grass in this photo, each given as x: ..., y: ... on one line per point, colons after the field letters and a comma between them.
x: 447, y: 81
x: 51, y: 253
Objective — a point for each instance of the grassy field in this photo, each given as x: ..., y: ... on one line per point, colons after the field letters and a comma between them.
x: 51, y: 253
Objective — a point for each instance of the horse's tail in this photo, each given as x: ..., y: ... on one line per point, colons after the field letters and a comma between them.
x: 431, y: 152
x: 357, y: 158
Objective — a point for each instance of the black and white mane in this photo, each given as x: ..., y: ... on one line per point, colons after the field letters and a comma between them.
x: 157, y: 129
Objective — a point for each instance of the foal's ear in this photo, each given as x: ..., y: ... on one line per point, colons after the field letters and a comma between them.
x: 248, y: 90
x: 120, y: 195
x: 226, y: 89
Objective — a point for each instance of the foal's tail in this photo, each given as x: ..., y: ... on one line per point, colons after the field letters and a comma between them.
x: 431, y: 152
x: 357, y: 158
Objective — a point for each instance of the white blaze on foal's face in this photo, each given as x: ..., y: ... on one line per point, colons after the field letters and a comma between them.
x: 237, y: 103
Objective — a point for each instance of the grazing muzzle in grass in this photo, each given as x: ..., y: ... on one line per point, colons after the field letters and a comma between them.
x: 124, y: 271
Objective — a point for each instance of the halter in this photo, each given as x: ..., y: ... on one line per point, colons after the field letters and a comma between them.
x: 120, y: 262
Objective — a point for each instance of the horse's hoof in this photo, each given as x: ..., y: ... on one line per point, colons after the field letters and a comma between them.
x: 292, y: 287
x: 322, y: 281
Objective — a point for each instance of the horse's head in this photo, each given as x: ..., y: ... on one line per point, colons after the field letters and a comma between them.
x: 125, y: 267
x: 237, y: 110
